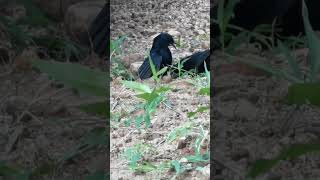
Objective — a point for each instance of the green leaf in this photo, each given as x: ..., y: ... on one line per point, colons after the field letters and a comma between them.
x: 7, y: 171
x: 18, y: 36
x: 237, y: 41
x: 139, y: 87
x: 153, y: 68
x: 24, y: 176
x: 147, y: 118
x: 292, y: 61
x: 116, y: 44
x: 75, y: 75
x: 163, y: 70
x: 177, y: 166
x: 162, y: 89
x: 313, y: 43
x: 95, y: 137
x: 44, y: 169
x: 198, y: 158
x: 224, y: 15
x: 35, y: 16
x: 263, y: 165
x: 145, y: 167
x: 303, y: 93
x: 207, y: 73
x: 138, y: 122
x: 199, y: 110
x: 205, y: 91
x: 99, y: 108
x: 98, y: 175
x: 179, y: 132
x: 148, y: 97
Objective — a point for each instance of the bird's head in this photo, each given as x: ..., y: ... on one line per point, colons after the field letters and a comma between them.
x: 164, y: 40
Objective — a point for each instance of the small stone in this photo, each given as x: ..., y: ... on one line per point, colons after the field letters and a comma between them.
x: 174, y: 33
x: 182, y: 143
x: 167, y: 79
x: 134, y: 67
x: 131, y: 58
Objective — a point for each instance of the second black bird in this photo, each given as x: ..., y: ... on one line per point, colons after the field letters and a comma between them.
x: 160, y: 55
x: 196, y: 61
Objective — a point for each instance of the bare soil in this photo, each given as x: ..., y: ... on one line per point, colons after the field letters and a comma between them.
x: 141, y: 21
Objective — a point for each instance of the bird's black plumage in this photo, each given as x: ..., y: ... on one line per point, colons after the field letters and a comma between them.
x: 99, y: 32
x: 196, y: 61
x: 160, y: 55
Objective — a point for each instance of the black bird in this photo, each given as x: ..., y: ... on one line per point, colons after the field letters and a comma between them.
x: 196, y: 61
x: 99, y: 32
x: 160, y: 55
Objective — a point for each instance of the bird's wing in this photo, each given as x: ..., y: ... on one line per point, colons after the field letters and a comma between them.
x: 145, y: 71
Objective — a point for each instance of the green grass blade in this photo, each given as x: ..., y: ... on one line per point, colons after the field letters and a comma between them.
x: 163, y: 70
x: 313, y: 43
x: 304, y: 93
x: 297, y: 72
x: 262, y: 166
x: 97, y: 175
x: 139, y: 87
x: 98, y: 108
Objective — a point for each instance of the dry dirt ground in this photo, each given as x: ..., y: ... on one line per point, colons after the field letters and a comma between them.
x: 141, y: 21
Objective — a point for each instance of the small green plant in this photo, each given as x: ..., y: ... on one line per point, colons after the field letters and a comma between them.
x: 181, y: 72
x: 189, y: 128
x: 115, y: 46
x: 180, y: 43
x: 257, y: 34
x: 294, y: 151
x: 204, y: 90
x: 116, y: 54
x: 224, y: 15
x: 135, y: 157
x: 151, y: 98
x: 180, y: 132
x: 201, y: 135
x: 156, y: 75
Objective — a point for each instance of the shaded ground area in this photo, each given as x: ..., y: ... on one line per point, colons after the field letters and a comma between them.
x: 141, y: 21
x: 251, y: 120
x: 40, y: 125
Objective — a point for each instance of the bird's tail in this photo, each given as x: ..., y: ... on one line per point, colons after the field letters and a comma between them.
x: 145, y: 71
x: 99, y: 31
